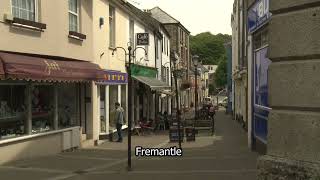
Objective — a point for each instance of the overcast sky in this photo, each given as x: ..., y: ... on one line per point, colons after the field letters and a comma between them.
x: 196, y: 15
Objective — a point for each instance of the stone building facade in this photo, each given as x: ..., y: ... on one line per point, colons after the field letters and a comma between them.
x: 179, y: 43
x: 294, y: 127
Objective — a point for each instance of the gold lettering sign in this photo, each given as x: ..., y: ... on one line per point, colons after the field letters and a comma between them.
x: 52, y: 66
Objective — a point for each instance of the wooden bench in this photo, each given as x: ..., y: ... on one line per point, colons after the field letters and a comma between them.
x: 205, y: 125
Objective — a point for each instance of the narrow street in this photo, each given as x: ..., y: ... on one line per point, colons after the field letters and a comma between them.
x: 222, y: 156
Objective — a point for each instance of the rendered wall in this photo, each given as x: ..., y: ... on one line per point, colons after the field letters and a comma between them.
x: 54, y: 40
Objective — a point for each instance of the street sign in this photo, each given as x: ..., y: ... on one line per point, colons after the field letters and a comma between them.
x: 142, y: 39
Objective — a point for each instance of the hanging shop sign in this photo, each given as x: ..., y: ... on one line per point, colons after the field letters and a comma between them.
x: 142, y: 39
x: 113, y: 77
x: 258, y: 15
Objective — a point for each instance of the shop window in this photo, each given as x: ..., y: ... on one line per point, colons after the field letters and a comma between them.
x: 124, y: 99
x: 113, y: 98
x: 24, y: 9
x: 42, y: 108
x: 264, y: 38
x: 12, y: 111
x: 103, y: 118
x: 67, y: 105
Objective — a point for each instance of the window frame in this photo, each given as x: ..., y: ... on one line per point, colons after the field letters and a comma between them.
x: 36, y: 12
x: 112, y: 30
x: 76, y: 14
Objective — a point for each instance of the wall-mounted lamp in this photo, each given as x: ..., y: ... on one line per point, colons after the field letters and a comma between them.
x: 101, y: 21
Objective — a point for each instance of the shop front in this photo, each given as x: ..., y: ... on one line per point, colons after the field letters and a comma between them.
x: 112, y: 88
x: 41, y: 104
x: 258, y: 19
x: 148, y: 92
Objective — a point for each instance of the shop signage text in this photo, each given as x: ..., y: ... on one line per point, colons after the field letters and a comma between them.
x: 137, y: 70
x: 142, y: 39
x: 114, y: 77
x: 258, y: 15
x: 51, y: 66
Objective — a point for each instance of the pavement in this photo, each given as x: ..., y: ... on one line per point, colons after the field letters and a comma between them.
x: 224, y: 156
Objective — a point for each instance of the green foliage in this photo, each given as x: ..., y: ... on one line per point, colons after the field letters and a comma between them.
x: 209, y: 47
x: 221, y: 72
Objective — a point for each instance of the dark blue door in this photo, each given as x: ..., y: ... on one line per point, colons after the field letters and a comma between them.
x: 261, y: 107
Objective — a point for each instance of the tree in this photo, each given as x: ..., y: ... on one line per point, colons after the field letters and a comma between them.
x: 221, y: 73
x: 209, y: 47
x: 211, y: 88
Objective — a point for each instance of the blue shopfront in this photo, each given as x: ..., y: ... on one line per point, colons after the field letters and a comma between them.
x: 258, y: 18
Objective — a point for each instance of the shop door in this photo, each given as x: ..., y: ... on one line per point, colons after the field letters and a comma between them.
x: 260, y: 103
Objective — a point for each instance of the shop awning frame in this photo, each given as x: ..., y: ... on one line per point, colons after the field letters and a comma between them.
x: 153, y: 83
x: 18, y: 66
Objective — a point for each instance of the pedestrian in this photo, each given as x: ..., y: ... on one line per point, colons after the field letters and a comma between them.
x: 212, y: 111
x: 119, y: 119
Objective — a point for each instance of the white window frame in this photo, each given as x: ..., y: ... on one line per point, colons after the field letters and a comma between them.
x: 76, y: 14
x: 112, y: 44
x: 36, y: 18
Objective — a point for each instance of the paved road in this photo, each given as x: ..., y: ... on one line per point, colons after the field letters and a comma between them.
x: 224, y: 156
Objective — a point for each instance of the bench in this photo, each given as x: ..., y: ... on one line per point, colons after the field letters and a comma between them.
x: 205, y: 125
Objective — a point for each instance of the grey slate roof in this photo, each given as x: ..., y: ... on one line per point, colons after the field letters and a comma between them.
x: 146, y: 17
x: 164, y: 17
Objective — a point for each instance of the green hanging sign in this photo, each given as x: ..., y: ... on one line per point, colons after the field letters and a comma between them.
x: 138, y: 70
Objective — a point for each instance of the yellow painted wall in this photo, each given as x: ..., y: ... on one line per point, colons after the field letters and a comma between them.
x: 102, y: 51
x: 54, y: 40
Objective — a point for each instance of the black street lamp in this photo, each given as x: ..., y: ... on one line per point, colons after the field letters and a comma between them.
x: 177, y: 73
x: 128, y: 66
x: 196, y: 63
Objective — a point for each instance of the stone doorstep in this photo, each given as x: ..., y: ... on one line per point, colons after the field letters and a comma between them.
x: 275, y: 168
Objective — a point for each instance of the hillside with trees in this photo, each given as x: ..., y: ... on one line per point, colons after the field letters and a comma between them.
x: 211, y: 50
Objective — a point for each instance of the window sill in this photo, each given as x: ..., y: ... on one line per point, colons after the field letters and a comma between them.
x: 77, y: 36
x: 32, y: 25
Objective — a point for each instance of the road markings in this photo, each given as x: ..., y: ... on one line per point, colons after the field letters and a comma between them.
x: 88, y: 158
x: 228, y: 171
x: 90, y: 170
x: 34, y: 169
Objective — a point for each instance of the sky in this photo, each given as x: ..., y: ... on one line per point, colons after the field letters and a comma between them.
x: 196, y: 15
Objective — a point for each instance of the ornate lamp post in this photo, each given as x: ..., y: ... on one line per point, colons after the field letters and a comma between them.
x: 177, y: 73
x: 129, y: 53
x: 196, y: 63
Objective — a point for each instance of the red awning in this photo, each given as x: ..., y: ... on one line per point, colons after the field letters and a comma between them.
x: 24, y: 67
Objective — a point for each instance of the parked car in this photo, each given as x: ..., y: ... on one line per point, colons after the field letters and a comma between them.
x: 224, y: 102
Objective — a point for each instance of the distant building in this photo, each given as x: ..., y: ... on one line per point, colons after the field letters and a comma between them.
x: 179, y: 43
x: 211, y: 73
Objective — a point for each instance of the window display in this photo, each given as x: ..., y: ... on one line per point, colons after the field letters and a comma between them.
x: 42, y: 108
x: 113, y: 98
x: 12, y: 111
x: 67, y: 105
x: 102, y: 109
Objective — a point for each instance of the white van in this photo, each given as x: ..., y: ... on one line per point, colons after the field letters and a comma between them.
x: 207, y: 100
